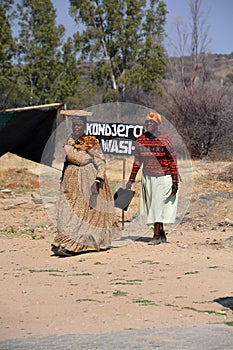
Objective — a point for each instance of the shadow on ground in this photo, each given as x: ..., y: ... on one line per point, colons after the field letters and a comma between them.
x: 225, y: 301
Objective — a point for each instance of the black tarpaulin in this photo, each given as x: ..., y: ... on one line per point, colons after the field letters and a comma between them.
x: 29, y: 134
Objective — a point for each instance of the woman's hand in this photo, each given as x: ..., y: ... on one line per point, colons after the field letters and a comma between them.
x: 174, y: 188
x: 129, y: 185
x: 67, y: 148
x: 95, y: 187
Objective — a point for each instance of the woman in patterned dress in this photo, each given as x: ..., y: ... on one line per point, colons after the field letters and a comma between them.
x: 86, y: 217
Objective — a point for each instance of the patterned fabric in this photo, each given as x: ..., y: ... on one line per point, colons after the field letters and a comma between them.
x: 157, y: 155
x: 156, y: 117
x: 85, y: 150
x: 86, y: 221
x: 85, y: 142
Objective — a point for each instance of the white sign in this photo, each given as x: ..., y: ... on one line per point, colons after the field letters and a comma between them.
x: 115, y: 138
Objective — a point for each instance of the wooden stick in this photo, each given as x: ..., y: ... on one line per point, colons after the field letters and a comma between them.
x: 60, y: 104
x: 75, y: 112
x: 122, y: 212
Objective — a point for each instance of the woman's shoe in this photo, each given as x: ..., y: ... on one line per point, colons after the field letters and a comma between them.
x: 155, y: 241
x: 163, y: 236
x: 61, y: 251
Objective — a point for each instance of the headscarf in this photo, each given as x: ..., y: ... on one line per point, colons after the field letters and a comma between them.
x: 156, y: 117
x: 77, y: 119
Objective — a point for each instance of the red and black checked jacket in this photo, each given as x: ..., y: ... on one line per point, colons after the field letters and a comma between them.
x: 157, y: 155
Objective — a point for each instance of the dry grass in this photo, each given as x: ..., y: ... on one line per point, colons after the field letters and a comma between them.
x: 216, y: 175
x: 115, y: 168
x: 17, y: 172
x: 18, y: 179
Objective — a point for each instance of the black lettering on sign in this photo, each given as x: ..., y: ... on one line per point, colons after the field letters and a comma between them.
x: 115, y: 138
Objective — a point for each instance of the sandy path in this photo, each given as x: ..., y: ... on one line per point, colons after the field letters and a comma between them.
x: 134, y: 285
x: 187, y: 282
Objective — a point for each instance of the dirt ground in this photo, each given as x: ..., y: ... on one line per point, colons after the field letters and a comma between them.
x: 132, y: 285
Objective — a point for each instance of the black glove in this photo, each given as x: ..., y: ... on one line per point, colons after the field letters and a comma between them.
x: 174, y: 188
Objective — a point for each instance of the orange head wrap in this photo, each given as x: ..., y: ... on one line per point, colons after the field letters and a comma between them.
x: 156, y: 117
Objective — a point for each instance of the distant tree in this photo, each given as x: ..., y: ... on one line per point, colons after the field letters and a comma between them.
x: 191, y: 44
x: 7, y: 52
x: 39, y: 49
x: 67, y: 77
x: 123, y: 41
x: 8, y: 45
x: 199, y: 41
x: 203, y: 119
x: 72, y: 83
x: 198, y: 106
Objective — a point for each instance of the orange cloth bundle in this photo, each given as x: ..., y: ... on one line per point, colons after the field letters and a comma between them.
x: 156, y: 117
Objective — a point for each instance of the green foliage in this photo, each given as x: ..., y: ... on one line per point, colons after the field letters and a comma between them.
x: 124, y: 41
x: 16, y: 231
x: 7, y: 52
x: 144, y: 302
x: 7, y: 47
x: 203, y: 311
x: 37, y: 67
x: 68, y: 77
x: 119, y: 52
x: 119, y: 293
x: 38, y: 49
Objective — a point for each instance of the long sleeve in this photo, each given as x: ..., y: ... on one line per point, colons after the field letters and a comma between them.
x: 72, y: 156
x: 157, y: 155
x: 99, y: 161
x: 171, y: 159
x: 86, y: 150
x: 136, y: 164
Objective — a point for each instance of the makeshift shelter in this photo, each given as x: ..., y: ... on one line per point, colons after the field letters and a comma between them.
x: 26, y: 131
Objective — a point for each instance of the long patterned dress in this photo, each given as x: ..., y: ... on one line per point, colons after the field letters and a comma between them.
x: 86, y: 221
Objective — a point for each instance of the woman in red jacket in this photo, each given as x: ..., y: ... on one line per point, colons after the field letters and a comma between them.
x: 154, y: 151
